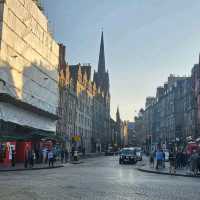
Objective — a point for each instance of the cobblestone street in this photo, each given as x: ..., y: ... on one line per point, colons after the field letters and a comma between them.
x: 97, y: 178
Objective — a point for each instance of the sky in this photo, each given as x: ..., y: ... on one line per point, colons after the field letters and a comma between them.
x: 145, y: 41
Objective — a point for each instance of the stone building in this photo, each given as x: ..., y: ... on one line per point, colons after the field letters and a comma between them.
x: 84, y: 104
x: 131, y: 134
x: 113, y: 132
x: 190, y: 108
x: 67, y: 110
x: 139, y: 131
x: 80, y: 76
x: 29, y: 59
x: 170, y: 116
x: 196, y: 93
x: 149, y: 122
x: 125, y: 133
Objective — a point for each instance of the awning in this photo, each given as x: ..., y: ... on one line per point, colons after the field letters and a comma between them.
x: 13, y: 132
x: 38, y: 134
x: 6, y: 138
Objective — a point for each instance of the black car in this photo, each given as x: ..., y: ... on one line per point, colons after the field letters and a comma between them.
x: 109, y: 153
x: 128, y: 155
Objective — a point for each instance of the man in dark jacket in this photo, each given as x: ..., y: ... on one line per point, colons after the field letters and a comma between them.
x: 172, y: 162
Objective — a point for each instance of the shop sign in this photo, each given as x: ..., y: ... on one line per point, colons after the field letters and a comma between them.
x: 76, y: 138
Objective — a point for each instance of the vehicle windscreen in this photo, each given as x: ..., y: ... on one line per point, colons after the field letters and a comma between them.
x: 138, y: 149
x: 128, y: 152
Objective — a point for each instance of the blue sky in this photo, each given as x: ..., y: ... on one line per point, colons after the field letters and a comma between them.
x: 145, y: 41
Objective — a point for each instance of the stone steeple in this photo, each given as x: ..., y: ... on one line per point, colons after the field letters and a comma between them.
x: 101, y: 64
x: 118, y: 119
x: 101, y: 77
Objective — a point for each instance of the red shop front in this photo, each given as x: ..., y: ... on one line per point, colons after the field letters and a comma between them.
x: 19, y: 148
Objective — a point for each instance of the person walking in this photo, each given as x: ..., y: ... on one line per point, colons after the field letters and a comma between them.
x: 83, y: 151
x: 172, y: 162
x: 66, y: 155
x: 44, y: 155
x: 13, y: 157
x: 194, y: 162
x: 32, y: 155
x: 151, y: 159
x: 159, y: 158
x: 178, y: 159
x: 163, y: 159
x: 62, y: 155
x: 75, y: 155
x: 26, y: 154
x: 29, y: 158
x: 50, y: 158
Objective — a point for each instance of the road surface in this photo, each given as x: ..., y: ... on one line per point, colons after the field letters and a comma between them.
x: 99, y: 178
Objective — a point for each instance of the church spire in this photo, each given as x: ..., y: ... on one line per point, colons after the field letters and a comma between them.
x: 118, y: 115
x: 101, y: 64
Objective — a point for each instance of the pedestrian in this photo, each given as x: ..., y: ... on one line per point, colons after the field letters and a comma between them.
x: 83, y: 151
x: 75, y: 155
x: 62, y: 155
x: 73, y: 149
x: 198, y: 162
x: 185, y: 159
x: 32, y: 156
x: 13, y: 157
x: 163, y: 158
x: 172, y: 162
x: 50, y: 158
x: 151, y: 159
x: 66, y: 155
x: 178, y: 159
x: 26, y: 158
x: 182, y: 159
x: 159, y: 158
x: 44, y: 155
x: 194, y: 162
x: 37, y: 155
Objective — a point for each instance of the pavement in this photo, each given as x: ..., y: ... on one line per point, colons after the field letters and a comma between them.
x: 100, y: 178
x: 41, y: 166
x: 20, y: 167
x: 164, y: 171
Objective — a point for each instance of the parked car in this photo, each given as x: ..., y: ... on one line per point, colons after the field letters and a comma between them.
x: 109, y: 152
x: 139, y: 153
x: 128, y: 155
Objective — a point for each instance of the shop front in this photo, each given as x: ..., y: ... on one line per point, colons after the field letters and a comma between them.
x: 16, y: 140
x: 24, y: 127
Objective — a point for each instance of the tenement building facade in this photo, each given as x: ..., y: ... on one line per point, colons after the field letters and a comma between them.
x: 84, y: 105
x: 67, y: 101
x: 170, y: 116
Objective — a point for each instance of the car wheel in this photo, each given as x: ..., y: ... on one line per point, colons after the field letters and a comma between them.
x: 135, y: 161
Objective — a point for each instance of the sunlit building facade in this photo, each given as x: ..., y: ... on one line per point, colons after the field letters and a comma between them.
x: 29, y: 58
